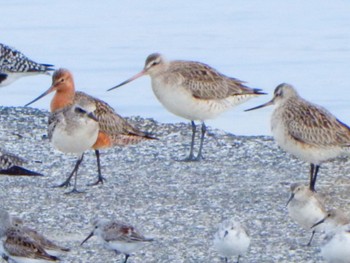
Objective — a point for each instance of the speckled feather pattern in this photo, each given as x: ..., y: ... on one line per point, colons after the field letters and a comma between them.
x: 13, y: 61
x: 8, y: 159
x: 204, y: 82
x: 111, y: 123
x: 312, y: 124
x: 18, y: 244
x: 119, y: 231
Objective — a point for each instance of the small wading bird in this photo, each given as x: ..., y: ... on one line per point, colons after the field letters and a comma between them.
x: 335, y: 248
x: 118, y: 236
x: 231, y: 239
x: 11, y: 164
x: 14, y: 65
x: 17, y: 246
x: 113, y: 129
x: 305, y: 207
x: 194, y: 91
x: 306, y: 130
x: 74, y: 129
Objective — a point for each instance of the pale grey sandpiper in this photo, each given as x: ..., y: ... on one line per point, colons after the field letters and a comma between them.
x: 118, y: 236
x: 74, y: 129
x: 335, y: 248
x: 306, y: 207
x: 194, y: 91
x: 231, y: 239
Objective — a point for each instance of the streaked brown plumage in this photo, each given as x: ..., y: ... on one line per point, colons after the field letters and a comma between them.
x: 114, y: 130
x: 193, y: 90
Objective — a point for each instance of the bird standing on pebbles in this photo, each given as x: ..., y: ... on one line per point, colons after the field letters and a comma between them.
x: 306, y: 130
x: 118, y: 236
x: 194, y: 91
x: 231, y: 239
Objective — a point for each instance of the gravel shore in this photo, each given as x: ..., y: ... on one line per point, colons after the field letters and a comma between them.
x: 179, y: 204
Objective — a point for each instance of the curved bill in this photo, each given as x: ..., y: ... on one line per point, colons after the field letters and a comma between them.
x: 42, y: 95
x: 319, y: 222
x: 88, y: 237
x: 271, y: 102
x: 290, y: 198
x: 140, y: 74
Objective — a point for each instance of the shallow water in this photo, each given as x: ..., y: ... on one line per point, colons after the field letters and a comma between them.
x: 262, y: 42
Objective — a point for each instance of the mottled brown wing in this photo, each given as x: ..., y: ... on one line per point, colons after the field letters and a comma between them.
x: 122, y: 232
x: 314, y: 125
x: 20, y: 245
x: 112, y: 123
x: 207, y: 83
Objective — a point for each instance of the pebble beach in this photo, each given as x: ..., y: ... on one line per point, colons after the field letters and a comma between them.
x: 179, y: 204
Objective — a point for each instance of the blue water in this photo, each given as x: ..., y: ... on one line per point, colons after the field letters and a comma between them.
x: 305, y: 43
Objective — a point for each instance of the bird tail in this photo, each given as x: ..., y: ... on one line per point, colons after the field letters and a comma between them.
x: 18, y: 171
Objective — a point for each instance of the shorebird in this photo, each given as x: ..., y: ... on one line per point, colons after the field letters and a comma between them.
x: 306, y: 130
x: 113, y: 129
x: 337, y: 241
x: 118, y: 236
x: 11, y: 164
x: 231, y: 239
x: 14, y: 65
x: 305, y: 207
x: 17, y: 246
x: 193, y: 90
x: 74, y: 129
x: 48, y: 245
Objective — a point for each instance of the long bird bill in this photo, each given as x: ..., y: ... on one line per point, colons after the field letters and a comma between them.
x: 42, y: 95
x: 88, y: 237
x: 271, y: 102
x: 140, y: 74
x: 319, y: 222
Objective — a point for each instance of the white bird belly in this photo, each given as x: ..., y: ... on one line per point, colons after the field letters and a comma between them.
x: 125, y: 247
x: 306, y: 152
x: 76, y: 141
x: 180, y: 102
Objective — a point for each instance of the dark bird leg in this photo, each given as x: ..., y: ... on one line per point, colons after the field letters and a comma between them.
x: 313, y: 176
x: 312, y: 236
x: 200, y: 156
x: 100, y: 178
x: 191, y: 158
x: 67, y: 182
x: 126, y: 257
x: 239, y: 256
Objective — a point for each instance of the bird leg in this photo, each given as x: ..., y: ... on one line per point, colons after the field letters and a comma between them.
x: 191, y: 158
x: 100, y: 178
x: 67, y: 182
x: 200, y: 156
x: 312, y: 236
x: 126, y: 257
x: 313, y: 176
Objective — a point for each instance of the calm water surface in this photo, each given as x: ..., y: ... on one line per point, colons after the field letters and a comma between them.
x: 305, y: 43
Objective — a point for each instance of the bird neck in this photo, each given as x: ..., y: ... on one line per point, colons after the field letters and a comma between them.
x: 62, y: 98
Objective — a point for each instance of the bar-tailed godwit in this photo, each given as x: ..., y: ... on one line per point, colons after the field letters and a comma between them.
x: 305, y: 207
x: 11, y: 164
x: 17, y: 246
x: 231, y: 239
x: 306, y: 130
x: 118, y: 236
x: 74, y: 129
x: 14, y: 65
x: 113, y: 129
x: 194, y: 91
